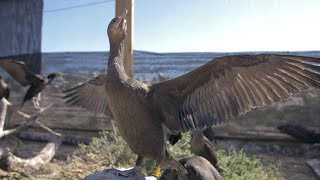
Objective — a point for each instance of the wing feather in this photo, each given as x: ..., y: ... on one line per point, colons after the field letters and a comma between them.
x: 18, y: 70
x: 230, y: 86
x: 90, y: 95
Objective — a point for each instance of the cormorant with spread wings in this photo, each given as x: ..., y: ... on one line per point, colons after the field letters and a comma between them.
x: 218, y: 91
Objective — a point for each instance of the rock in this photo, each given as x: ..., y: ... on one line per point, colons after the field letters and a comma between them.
x: 118, y: 174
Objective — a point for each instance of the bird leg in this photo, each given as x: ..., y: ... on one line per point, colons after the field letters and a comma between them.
x: 156, y: 170
x: 36, y: 101
x: 138, y: 162
x: 136, y: 168
x: 3, y: 113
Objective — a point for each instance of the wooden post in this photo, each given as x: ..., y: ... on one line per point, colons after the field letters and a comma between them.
x: 20, y: 31
x: 128, y: 53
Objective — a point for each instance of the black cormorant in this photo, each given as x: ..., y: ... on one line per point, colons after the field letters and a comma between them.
x: 220, y: 90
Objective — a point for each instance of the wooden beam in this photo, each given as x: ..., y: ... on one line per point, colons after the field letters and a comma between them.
x: 128, y: 53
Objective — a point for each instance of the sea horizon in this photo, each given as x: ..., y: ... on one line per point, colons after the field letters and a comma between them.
x: 147, y: 65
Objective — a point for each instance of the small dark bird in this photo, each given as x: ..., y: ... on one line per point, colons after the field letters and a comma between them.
x: 300, y: 133
x: 200, y: 145
x: 218, y: 91
x: 20, y: 72
x: 4, y: 89
x: 198, y: 169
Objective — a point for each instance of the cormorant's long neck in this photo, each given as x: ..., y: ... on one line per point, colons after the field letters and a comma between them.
x: 116, y: 55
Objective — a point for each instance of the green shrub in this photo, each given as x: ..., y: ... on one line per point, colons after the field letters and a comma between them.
x: 111, y: 151
x: 238, y: 165
x: 117, y: 154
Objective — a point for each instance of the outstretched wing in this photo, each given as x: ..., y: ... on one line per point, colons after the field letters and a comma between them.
x: 90, y: 95
x: 18, y: 70
x: 230, y: 86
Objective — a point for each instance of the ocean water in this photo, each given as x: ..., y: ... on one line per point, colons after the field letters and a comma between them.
x: 146, y: 64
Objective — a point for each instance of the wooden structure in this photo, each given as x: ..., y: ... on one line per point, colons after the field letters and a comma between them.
x: 128, y: 54
x: 20, y: 31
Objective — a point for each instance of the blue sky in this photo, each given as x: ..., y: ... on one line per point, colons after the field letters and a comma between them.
x: 188, y: 25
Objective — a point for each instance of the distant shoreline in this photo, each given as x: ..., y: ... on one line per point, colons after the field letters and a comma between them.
x: 147, y: 65
x: 150, y: 52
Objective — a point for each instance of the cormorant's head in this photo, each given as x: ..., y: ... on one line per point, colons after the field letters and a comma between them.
x: 54, y: 75
x: 117, y: 28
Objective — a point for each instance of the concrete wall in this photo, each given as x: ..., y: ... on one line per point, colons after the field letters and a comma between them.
x: 20, y: 31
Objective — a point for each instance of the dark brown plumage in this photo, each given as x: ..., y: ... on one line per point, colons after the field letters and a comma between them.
x: 200, y: 145
x: 20, y: 72
x: 198, y: 169
x: 213, y: 93
x: 300, y: 133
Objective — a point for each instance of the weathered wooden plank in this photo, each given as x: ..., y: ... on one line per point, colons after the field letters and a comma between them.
x: 64, y: 117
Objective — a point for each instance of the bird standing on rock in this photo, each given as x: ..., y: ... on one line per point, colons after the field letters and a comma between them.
x: 220, y: 90
x: 20, y: 72
x: 200, y: 145
x: 198, y: 168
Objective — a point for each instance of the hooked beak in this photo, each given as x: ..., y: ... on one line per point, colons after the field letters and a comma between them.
x: 121, y: 19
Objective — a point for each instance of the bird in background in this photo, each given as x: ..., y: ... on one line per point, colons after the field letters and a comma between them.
x: 300, y: 133
x: 25, y: 77
x: 198, y: 168
x: 200, y: 145
x: 216, y: 92
x: 4, y: 89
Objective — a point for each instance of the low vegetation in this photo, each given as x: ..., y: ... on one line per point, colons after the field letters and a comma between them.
x: 111, y: 151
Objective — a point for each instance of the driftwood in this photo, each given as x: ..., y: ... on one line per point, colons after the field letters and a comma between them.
x: 4, y: 104
x: 46, y: 154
